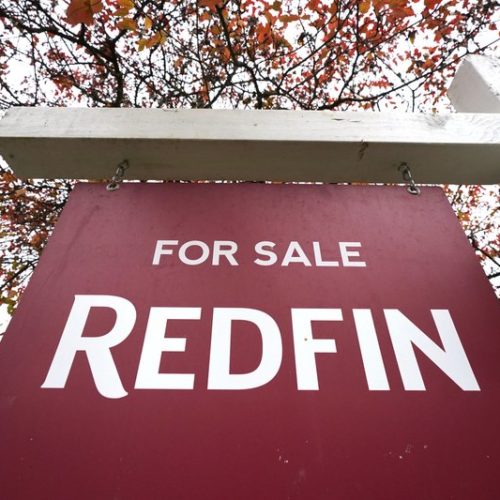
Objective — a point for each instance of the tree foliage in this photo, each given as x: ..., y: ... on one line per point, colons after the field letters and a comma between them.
x: 307, y: 54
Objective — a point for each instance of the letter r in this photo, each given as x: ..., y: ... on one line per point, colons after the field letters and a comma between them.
x: 98, y: 349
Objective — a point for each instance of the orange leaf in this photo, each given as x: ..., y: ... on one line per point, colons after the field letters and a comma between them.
x: 82, y: 11
x: 211, y: 4
x: 313, y: 5
x: 36, y: 239
x: 364, y: 6
x: 126, y: 4
x: 125, y: 7
x: 122, y: 12
x: 226, y: 55
x: 148, y: 23
x: 157, y: 39
x: 215, y: 30
x: 127, y: 24
x: 8, y: 177
x: 264, y: 34
x: 163, y: 37
x: 430, y: 4
x: 288, y: 18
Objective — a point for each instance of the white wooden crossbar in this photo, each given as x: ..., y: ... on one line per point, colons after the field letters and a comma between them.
x: 323, y: 146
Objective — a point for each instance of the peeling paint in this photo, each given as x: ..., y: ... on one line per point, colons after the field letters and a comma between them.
x: 436, y: 120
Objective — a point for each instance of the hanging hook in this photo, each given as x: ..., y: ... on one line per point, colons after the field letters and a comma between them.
x: 117, y: 179
x: 411, y: 187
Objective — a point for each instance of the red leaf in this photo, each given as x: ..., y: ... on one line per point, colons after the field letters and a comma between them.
x: 82, y: 11
x: 211, y: 4
x: 430, y: 4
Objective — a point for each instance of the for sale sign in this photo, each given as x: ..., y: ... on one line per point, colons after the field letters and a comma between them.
x: 253, y: 342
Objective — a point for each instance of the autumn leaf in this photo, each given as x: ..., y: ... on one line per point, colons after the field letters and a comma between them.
x: 264, y: 33
x: 211, y: 4
x: 463, y: 216
x: 431, y: 4
x: 126, y: 4
x: 215, y: 30
x: 82, y: 11
x: 428, y: 64
x: 121, y: 12
x: 226, y: 55
x: 8, y: 177
x: 148, y: 23
x: 157, y: 39
x: 127, y: 24
x: 163, y: 37
x: 313, y: 5
x: 36, y: 240
x: 364, y: 6
x: 125, y: 7
x: 289, y: 18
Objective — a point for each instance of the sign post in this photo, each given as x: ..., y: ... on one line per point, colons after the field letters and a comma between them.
x: 253, y: 341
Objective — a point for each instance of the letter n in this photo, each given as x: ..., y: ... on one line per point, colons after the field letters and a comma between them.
x: 451, y: 359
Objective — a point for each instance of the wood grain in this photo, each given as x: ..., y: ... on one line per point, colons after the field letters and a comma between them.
x: 324, y: 146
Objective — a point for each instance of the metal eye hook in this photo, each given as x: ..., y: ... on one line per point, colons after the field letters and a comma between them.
x: 117, y: 179
x: 411, y: 187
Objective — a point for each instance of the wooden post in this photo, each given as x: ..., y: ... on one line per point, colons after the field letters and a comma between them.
x: 476, y: 86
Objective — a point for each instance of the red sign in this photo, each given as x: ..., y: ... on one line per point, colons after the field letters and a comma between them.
x: 253, y: 342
